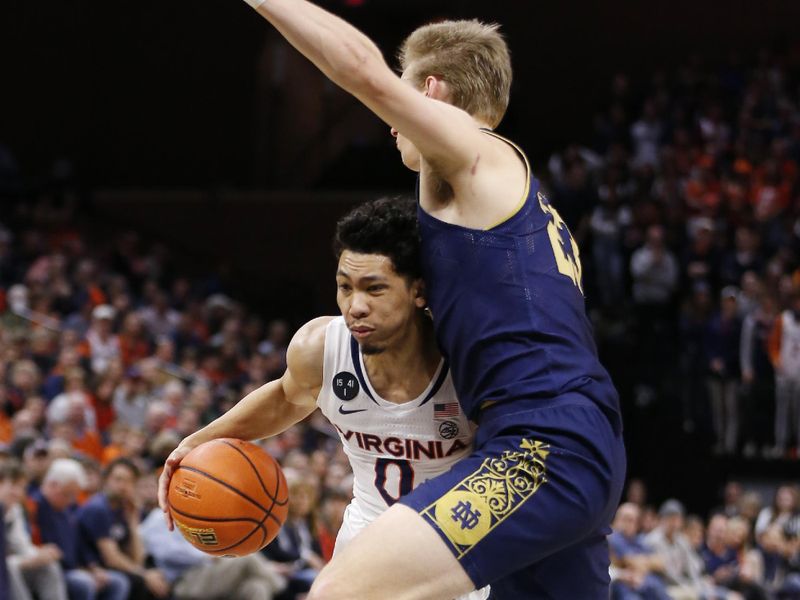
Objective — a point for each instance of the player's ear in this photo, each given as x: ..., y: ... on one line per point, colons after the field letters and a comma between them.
x: 418, y: 289
x: 436, y: 88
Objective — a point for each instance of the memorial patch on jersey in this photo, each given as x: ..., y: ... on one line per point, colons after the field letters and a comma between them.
x: 474, y: 507
x: 345, y: 385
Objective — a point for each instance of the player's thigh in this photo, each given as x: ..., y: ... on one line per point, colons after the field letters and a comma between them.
x: 398, y: 556
x: 528, y: 493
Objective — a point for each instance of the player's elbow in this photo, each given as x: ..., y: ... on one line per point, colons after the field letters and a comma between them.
x: 362, y: 72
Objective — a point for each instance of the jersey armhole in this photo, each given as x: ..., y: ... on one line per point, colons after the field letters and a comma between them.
x: 526, y: 192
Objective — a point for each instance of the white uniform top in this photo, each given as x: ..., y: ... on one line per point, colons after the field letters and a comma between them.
x: 392, y: 448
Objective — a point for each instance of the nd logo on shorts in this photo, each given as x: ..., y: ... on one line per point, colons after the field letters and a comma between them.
x: 473, y: 508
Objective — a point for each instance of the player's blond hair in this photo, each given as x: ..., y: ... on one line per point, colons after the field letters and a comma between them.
x: 470, y: 56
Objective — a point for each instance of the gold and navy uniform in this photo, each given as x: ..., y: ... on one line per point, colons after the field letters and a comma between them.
x: 529, y: 509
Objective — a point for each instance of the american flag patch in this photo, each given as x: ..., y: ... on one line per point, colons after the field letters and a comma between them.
x: 442, y: 411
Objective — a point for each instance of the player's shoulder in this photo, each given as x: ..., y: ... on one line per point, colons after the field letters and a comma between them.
x: 306, y: 352
x: 313, y: 332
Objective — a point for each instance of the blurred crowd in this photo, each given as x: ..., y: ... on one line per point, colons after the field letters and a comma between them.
x: 107, y: 360
x: 686, y: 206
x: 746, y: 550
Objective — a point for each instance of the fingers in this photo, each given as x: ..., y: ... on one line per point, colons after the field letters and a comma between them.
x: 163, y: 487
x: 163, y: 490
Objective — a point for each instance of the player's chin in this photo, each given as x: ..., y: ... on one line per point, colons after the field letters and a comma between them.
x: 371, y: 348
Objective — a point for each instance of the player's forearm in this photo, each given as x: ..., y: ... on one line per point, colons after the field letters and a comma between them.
x: 339, y: 50
x: 262, y: 413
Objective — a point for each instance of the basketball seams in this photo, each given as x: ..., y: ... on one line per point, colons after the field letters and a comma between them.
x: 273, y: 497
x: 259, y: 525
x: 252, y: 454
x: 222, y: 483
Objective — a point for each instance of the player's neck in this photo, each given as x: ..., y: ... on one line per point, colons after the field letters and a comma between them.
x: 403, y: 371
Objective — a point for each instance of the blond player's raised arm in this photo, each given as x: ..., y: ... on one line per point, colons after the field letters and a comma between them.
x: 269, y: 410
x: 447, y: 137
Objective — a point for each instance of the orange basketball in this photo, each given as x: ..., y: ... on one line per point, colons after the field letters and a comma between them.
x: 228, y: 497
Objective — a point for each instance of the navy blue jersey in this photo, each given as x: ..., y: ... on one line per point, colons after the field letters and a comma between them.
x: 508, y: 309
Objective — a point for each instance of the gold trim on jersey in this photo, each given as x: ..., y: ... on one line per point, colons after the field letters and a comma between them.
x: 527, y: 177
x: 470, y: 510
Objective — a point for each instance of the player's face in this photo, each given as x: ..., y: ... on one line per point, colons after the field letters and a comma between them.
x: 378, y: 305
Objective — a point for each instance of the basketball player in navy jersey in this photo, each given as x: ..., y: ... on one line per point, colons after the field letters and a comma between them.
x: 529, y: 510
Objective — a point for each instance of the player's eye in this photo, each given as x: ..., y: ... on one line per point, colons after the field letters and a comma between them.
x: 344, y: 287
x: 378, y: 287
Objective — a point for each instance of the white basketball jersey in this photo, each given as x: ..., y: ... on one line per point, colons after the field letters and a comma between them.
x: 392, y: 447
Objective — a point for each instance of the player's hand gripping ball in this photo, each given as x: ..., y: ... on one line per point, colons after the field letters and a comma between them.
x: 228, y: 497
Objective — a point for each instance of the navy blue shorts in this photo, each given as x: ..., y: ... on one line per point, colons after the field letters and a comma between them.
x: 529, y: 510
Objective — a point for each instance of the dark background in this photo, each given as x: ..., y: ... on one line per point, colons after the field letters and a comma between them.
x: 147, y: 98
x: 164, y: 93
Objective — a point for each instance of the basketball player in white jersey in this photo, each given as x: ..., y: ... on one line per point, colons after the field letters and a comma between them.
x: 375, y: 372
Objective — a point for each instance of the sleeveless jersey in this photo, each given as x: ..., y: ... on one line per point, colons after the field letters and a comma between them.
x: 392, y: 447
x: 508, y: 308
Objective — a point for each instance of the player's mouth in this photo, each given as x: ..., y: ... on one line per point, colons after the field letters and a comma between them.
x: 361, y: 333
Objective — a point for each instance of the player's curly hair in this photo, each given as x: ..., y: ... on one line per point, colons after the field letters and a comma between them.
x: 386, y: 226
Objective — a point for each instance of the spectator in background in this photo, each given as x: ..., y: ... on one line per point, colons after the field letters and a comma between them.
x: 68, y: 359
x: 329, y: 520
x: 701, y: 260
x: 636, y: 568
x: 784, y: 512
x: 749, y: 566
x: 743, y: 257
x: 694, y: 322
x: 719, y: 558
x: 683, y: 568
x: 654, y: 270
x: 131, y: 399
x: 109, y: 525
x: 731, y: 499
x: 75, y: 394
x: 608, y: 223
x: 103, y: 343
x: 636, y: 492
x: 35, y: 459
x: 6, y: 497
x: 774, y: 550
x: 295, y: 550
x: 695, y: 531
x: 52, y: 515
x: 133, y: 342
x: 25, y: 381
x: 158, y: 318
x: 758, y: 378
x: 195, y: 575
x: 722, y: 357
x: 32, y: 570
x: 784, y: 346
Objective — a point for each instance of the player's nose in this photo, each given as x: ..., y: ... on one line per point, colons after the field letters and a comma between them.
x: 359, y: 308
x: 393, y: 131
